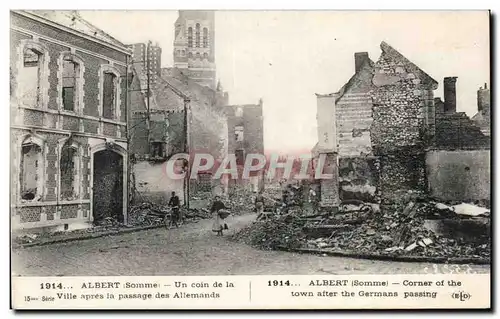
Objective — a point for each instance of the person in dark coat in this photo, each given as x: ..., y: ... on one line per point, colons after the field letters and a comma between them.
x: 174, y: 202
x: 218, y: 224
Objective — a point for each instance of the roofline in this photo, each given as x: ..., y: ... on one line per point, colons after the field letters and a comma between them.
x: 242, y: 105
x: 38, y: 18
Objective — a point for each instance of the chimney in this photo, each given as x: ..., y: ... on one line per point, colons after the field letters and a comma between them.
x: 359, y: 60
x: 450, y: 94
x: 483, y: 99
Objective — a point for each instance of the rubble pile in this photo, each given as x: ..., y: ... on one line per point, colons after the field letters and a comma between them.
x: 277, y: 232
x: 241, y: 201
x: 402, y: 233
x: 151, y: 214
x: 421, y: 228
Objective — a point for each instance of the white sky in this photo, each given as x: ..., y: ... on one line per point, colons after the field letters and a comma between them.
x: 287, y: 56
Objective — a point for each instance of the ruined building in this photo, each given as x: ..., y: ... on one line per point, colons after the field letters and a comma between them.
x: 69, y: 91
x: 455, y: 130
x: 175, y: 111
x: 483, y: 115
x: 458, y: 159
x: 246, y: 136
x: 383, y: 135
x: 372, y: 131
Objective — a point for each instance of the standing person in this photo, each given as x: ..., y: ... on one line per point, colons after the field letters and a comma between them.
x: 174, y: 203
x: 218, y: 224
x: 313, y: 199
x: 259, y: 205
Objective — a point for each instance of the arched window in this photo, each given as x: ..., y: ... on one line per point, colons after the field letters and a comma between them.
x: 32, y: 73
x: 31, y: 169
x: 205, y: 37
x: 205, y: 56
x: 183, y: 53
x: 72, y: 70
x: 69, y: 164
x: 29, y: 77
x: 198, y: 56
x: 109, y: 95
x: 190, y: 55
x: 110, y: 92
x: 197, y: 35
x: 190, y: 37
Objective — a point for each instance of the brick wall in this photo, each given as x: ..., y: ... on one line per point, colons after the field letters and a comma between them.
x: 53, y: 127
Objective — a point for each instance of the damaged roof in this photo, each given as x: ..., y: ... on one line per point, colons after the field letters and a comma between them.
x: 424, y: 77
x: 73, y: 20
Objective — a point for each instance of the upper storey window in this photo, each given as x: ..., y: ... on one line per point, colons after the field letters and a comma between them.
x: 205, y: 37
x: 197, y: 35
x: 190, y: 37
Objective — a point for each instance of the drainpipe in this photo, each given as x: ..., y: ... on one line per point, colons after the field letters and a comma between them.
x: 187, y: 137
x: 127, y: 185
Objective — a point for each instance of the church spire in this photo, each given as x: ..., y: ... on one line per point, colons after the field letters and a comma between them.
x: 194, y: 46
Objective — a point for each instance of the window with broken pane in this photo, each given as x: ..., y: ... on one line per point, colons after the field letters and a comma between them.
x: 69, y: 172
x: 109, y: 95
x: 29, y: 78
x: 238, y: 133
x: 69, y: 81
x: 31, y: 158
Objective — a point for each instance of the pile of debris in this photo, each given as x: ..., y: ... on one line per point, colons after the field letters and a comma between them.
x: 151, y: 214
x: 277, y: 232
x: 241, y: 201
x: 421, y: 228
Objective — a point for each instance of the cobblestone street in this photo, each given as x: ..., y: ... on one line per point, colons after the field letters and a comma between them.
x: 190, y: 250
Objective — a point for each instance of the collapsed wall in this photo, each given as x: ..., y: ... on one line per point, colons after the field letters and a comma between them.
x: 403, y: 120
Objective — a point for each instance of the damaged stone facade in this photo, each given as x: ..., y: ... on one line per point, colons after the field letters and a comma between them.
x: 383, y: 121
x: 172, y: 92
x: 245, y: 125
x: 66, y: 121
x: 403, y: 122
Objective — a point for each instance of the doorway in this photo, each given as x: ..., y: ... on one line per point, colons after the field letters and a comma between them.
x: 107, y: 186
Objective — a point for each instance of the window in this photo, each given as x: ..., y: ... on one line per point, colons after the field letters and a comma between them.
x: 157, y: 149
x: 198, y: 56
x: 197, y: 35
x: 29, y: 77
x: 109, y: 95
x: 69, y: 163
x: 70, y: 76
x: 205, y: 56
x: 240, y: 157
x: 239, y: 112
x: 183, y: 53
x: 238, y: 133
x: 190, y: 55
x: 205, y: 37
x: 190, y: 37
x: 31, y: 170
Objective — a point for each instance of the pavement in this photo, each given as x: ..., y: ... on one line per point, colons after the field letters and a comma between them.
x: 193, y: 249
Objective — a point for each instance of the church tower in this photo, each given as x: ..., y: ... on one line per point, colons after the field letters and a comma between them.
x: 194, y: 46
